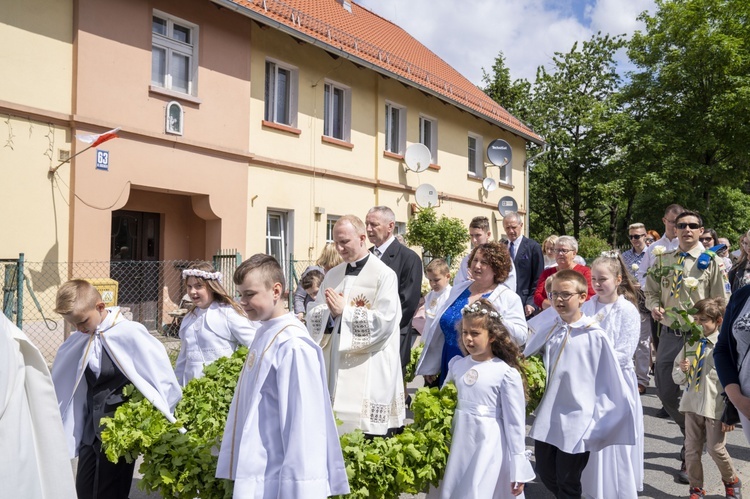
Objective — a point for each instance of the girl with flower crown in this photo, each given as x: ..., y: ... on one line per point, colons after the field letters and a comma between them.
x: 214, y: 326
x: 617, y: 471
x: 488, y: 452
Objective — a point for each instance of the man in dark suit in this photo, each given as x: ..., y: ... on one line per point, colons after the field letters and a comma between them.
x: 528, y: 259
x: 407, y: 265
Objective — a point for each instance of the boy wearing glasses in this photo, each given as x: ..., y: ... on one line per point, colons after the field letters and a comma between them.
x: 585, y: 405
x: 672, y: 292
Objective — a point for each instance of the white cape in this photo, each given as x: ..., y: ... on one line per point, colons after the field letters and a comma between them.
x: 140, y: 357
x: 585, y: 406
x: 34, y: 462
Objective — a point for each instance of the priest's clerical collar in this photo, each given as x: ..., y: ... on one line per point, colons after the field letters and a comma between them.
x: 354, y: 268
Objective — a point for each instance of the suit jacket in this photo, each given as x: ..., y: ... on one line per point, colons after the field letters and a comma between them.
x: 529, y: 263
x: 408, y: 268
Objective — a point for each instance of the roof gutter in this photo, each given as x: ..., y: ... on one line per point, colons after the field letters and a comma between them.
x: 229, y: 4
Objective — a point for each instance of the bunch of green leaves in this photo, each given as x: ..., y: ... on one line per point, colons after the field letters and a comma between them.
x: 180, y: 465
x: 536, y: 381
x: 408, y: 462
x: 411, y: 367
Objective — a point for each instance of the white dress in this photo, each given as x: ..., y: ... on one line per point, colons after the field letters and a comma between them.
x: 210, y: 334
x: 617, y: 471
x: 488, y: 450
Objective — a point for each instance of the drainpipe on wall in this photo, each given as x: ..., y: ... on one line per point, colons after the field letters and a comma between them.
x: 527, y: 162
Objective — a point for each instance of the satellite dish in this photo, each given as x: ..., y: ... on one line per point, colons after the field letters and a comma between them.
x: 489, y: 184
x: 499, y: 152
x: 417, y: 157
x: 506, y: 205
x: 426, y: 196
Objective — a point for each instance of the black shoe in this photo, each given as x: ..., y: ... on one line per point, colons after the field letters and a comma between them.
x: 682, y: 476
x: 408, y: 401
x: 662, y: 413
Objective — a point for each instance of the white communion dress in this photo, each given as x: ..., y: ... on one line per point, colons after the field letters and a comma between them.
x: 488, y: 450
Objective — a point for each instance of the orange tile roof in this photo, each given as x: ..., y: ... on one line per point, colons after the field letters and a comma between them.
x: 377, y: 42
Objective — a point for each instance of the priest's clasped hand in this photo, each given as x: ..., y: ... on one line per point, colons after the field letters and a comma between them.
x: 335, y: 302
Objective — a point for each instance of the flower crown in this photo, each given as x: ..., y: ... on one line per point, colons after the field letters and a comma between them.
x: 474, y: 308
x: 610, y: 254
x: 201, y: 273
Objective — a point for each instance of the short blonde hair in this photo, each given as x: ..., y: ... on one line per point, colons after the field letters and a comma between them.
x: 329, y: 257
x: 355, y: 221
x: 438, y: 266
x: 76, y: 295
x: 569, y: 275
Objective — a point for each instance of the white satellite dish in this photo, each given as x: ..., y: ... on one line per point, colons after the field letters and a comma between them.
x: 417, y: 157
x: 489, y: 184
x: 426, y: 196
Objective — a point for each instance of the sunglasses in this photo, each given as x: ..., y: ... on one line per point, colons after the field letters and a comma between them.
x: 683, y: 226
x: 705, y: 239
x: 636, y: 236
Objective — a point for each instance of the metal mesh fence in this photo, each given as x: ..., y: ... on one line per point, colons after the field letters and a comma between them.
x: 150, y: 292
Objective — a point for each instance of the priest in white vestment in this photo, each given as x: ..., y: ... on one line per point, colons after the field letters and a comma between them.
x: 34, y: 462
x: 356, y: 322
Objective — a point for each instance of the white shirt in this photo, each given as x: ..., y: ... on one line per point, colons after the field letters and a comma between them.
x: 383, y: 247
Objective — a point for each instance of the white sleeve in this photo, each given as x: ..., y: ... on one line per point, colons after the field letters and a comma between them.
x: 626, y: 339
x: 510, y: 307
x: 301, y: 395
x: 513, y: 418
x: 241, y: 328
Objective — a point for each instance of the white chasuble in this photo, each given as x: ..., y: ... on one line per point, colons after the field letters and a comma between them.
x: 280, y: 438
x: 585, y: 406
x: 362, y: 351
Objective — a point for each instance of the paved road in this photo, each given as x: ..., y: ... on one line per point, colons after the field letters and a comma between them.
x: 663, y: 442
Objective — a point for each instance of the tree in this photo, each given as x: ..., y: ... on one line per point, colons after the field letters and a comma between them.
x: 442, y: 237
x: 689, y: 100
x: 575, y: 108
x: 512, y: 95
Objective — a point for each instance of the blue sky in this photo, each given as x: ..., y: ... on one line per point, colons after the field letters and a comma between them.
x: 468, y: 34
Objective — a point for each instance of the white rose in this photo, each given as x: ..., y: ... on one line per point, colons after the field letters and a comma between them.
x: 634, y: 267
x: 691, y: 282
x: 658, y: 251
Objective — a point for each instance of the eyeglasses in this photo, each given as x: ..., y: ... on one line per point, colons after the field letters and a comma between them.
x: 683, y: 226
x: 563, y: 296
x: 636, y: 236
x: 705, y: 239
x: 562, y: 251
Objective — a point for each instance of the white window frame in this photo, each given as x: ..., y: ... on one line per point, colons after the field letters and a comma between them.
x: 432, y: 141
x: 505, y: 174
x: 330, y: 88
x: 478, y: 157
x: 330, y: 222
x: 171, y: 126
x: 400, y: 147
x: 283, y: 237
x: 172, y: 46
x: 399, y: 228
x: 270, y: 112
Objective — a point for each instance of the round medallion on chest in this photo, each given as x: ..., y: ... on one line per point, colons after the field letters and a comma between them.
x: 471, y: 377
x: 251, y: 359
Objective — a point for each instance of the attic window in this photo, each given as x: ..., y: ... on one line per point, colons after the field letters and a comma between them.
x: 346, y: 4
x: 174, y: 118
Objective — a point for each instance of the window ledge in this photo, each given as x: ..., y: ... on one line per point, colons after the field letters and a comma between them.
x: 471, y: 176
x: 281, y: 128
x: 336, y: 142
x: 393, y: 155
x: 506, y: 185
x: 174, y: 95
x: 434, y: 167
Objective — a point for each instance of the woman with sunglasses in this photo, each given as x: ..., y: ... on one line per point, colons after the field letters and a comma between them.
x: 566, y: 250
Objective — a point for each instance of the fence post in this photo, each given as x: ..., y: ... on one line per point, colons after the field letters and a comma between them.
x: 19, y: 292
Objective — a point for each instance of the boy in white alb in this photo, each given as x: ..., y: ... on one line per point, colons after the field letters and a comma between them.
x: 105, y: 354
x: 280, y: 438
x: 438, y: 275
x: 585, y: 406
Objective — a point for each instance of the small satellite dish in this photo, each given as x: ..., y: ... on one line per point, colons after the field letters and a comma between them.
x: 506, y: 205
x: 426, y: 196
x: 418, y: 157
x: 489, y: 184
x: 499, y: 152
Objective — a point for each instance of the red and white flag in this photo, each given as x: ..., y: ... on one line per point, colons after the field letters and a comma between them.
x: 95, y: 140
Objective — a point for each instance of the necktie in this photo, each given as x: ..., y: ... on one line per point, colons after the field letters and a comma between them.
x: 512, y: 250
x: 700, y: 357
x: 377, y: 252
x: 677, y: 278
